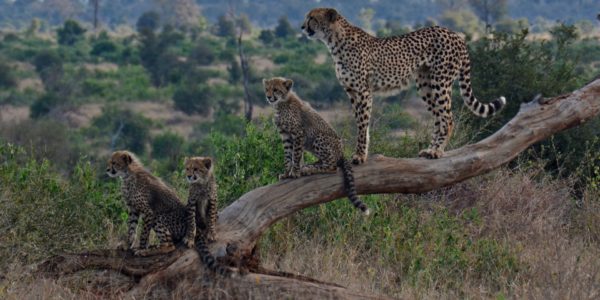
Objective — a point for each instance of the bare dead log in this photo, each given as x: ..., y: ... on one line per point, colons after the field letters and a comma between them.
x: 242, y: 223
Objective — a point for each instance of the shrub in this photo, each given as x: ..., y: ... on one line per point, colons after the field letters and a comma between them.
x: 202, y: 54
x: 148, y: 21
x: 42, y: 213
x: 167, y: 145
x: 49, y: 66
x: 125, y: 129
x: 45, y: 139
x: 70, y: 33
x: 245, y: 162
x: 284, y: 29
x: 266, y: 36
x: 104, y: 47
x: 45, y: 104
x: 7, y: 76
x: 194, y: 99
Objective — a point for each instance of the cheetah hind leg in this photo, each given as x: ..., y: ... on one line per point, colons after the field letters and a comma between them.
x: 154, y: 250
x: 317, y: 168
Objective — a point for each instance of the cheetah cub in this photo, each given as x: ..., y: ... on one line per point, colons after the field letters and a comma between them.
x: 147, y: 196
x: 202, y: 210
x: 202, y: 199
x: 301, y: 127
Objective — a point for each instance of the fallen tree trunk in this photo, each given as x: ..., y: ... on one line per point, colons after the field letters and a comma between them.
x: 242, y: 223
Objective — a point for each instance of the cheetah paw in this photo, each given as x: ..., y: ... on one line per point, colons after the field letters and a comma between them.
x: 211, y: 237
x: 359, y: 159
x: 189, y: 242
x: 289, y: 175
x: 431, y: 154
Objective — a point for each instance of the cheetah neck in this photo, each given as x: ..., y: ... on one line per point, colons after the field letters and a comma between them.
x: 291, y: 100
x: 200, y: 188
x: 345, y: 34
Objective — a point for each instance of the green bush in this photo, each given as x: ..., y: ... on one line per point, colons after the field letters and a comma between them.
x: 519, y: 69
x: 104, y: 47
x: 194, y: 99
x: 167, y: 145
x: 70, y: 33
x: 44, y: 139
x: 123, y: 128
x: 42, y: 214
x: 45, y: 104
x: 149, y: 20
x: 49, y: 66
x: 7, y: 76
x: 245, y: 162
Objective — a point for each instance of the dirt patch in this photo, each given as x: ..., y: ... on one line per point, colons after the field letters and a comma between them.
x: 320, y: 59
x: 262, y: 64
x: 101, y: 67
x: 174, y: 120
x: 31, y: 84
x: 13, y: 114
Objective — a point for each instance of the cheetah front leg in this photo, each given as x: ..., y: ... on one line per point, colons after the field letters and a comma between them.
x: 132, y: 222
x: 211, y: 220
x: 190, y: 234
x: 145, y: 234
x: 361, y: 103
x: 287, y: 153
x: 297, y: 152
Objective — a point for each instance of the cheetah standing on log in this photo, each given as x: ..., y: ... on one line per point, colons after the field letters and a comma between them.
x: 365, y: 65
x: 147, y: 196
x: 301, y: 127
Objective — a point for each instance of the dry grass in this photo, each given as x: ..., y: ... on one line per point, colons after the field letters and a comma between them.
x: 531, y: 215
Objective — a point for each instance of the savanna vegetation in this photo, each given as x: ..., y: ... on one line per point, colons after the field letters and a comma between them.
x: 164, y: 80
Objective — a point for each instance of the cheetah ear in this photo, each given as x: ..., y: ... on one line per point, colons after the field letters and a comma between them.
x: 127, y: 158
x: 186, y: 160
x: 207, y: 163
x: 264, y: 82
x: 331, y: 14
x: 288, y: 83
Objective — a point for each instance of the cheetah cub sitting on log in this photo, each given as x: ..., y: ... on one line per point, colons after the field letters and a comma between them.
x: 202, y: 210
x: 147, y: 196
x: 301, y: 127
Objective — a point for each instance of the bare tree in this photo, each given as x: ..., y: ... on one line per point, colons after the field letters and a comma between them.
x: 241, y: 224
x: 95, y: 3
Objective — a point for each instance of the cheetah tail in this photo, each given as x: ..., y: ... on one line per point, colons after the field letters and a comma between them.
x: 346, y: 167
x: 210, y: 261
x: 480, y: 109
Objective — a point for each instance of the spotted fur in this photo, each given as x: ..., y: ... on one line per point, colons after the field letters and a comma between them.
x: 301, y: 127
x: 365, y: 65
x: 147, y: 196
x: 202, y: 210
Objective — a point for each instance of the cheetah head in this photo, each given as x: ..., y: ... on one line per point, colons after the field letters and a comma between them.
x: 198, y: 169
x: 119, y: 162
x: 277, y: 88
x: 319, y: 22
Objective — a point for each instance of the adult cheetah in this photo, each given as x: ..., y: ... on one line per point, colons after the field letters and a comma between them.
x: 365, y: 65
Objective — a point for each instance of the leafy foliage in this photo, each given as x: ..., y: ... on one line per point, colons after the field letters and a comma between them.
x: 70, y: 33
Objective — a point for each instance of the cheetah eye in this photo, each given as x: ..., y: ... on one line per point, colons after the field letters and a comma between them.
x: 195, y: 169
